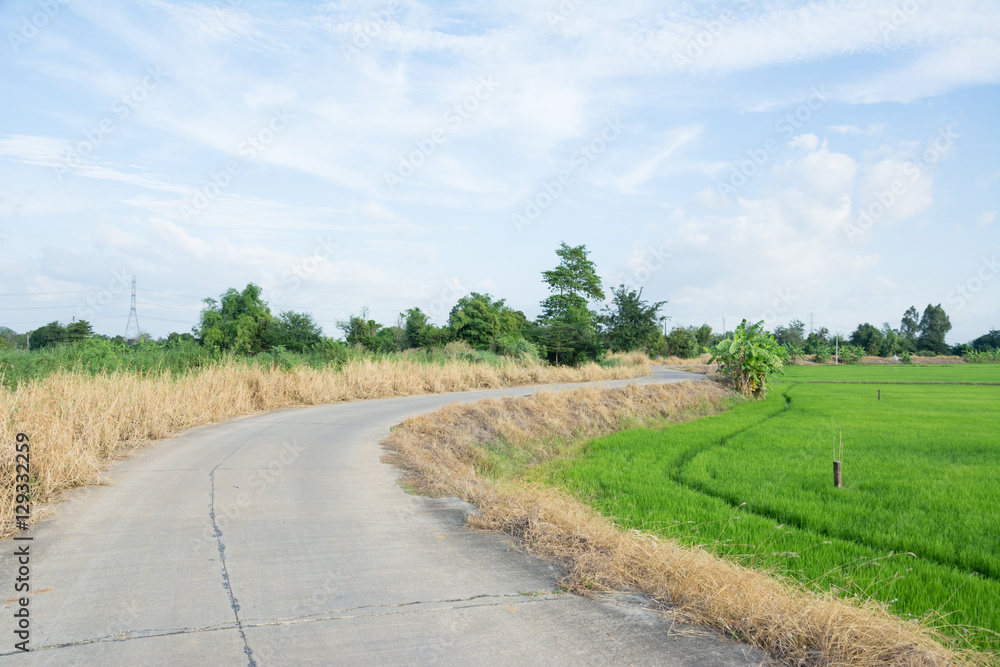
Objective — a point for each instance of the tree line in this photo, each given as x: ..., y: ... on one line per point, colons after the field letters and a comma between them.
x: 569, y: 330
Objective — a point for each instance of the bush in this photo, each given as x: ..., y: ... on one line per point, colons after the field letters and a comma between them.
x: 982, y: 356
x: 851, y: 354
x: 517, y: 347
x: 749, y: 357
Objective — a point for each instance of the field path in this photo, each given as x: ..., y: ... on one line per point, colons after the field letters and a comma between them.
x: 281, y: 539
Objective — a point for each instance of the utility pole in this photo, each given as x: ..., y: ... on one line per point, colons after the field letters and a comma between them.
x: 132, y: 333
x: 810, y: 322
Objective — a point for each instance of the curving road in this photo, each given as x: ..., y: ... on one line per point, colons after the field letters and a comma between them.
x: 281, y: 539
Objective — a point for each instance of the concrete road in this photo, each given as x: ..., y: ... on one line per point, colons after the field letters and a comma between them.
x: 281, y: 539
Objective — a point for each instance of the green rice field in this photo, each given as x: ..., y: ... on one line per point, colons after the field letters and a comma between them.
x: 916, y: 524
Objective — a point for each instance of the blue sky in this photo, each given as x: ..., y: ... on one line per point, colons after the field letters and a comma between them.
x: 747, y: 159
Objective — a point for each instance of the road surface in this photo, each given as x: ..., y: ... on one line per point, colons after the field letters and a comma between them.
x: 281, y: 539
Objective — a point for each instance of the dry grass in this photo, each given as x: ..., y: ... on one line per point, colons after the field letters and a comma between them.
x: 700, y: 360
x: 444, y: 452
x: 78, y: 422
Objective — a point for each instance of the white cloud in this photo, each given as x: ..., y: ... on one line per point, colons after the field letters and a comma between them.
x: 986, y: 218
x: 807, y: 141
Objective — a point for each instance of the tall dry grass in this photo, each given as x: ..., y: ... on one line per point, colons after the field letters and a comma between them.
x: 700, y: 360
x: 79, y: 422
x: 444, y: 453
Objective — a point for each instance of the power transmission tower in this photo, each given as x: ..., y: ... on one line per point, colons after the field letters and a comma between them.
x: 132, y: 333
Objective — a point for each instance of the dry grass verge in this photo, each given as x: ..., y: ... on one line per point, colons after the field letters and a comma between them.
x: 79, y: 422
x: 446, y: 450
x: 700, y: 360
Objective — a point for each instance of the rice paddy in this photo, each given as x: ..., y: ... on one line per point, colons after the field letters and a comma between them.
x: 916, y: 525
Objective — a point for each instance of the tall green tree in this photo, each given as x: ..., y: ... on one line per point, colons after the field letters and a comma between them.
x: 934, y: 326
x: 573, y: 283
x: 630, y: 323
x: 237, y: 322
x: 567, y: 331
x: 909, y: 327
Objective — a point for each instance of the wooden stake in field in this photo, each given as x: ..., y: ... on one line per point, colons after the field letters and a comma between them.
x: 837, y: 481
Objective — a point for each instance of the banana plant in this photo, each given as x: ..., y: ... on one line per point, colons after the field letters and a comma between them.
x: 749, y: 357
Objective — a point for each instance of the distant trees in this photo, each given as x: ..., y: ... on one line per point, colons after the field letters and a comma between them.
x: 297, y: 332
x: 481, y: 322
x: 52, y: 333
x: 909, y: 328
x: 934, y: 326
x: 359, y: 330
x: 630, y: 323
x: 989, y: 341
x: 683, y: 343
x: 237, y: 322
x: 869, y: 339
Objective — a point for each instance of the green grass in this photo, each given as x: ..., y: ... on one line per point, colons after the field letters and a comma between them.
x: 921, y: 482
x: 892, y: 373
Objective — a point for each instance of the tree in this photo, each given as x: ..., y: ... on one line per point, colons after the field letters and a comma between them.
x: 567, y: 331
x: 703, y: 336
x: 415, y: 329
x: 297, y: 332
x: 359, y: 330
x: 77, y: 331
x: 988, y: 341
x: 892, y: 344
x: 419, y: 332
x: 869, y: 339
x: 909, y: 327
x: 480, y: 321
x: 793, y: 335
x: 631, y: 322
x: 682, y: 343
x: 237, y: 322
x: 749, y: 357
x: 570, y: 340
x: 52, y: 333
x: 934, y: 326
x: 572, y: 283
x: 817, y: 341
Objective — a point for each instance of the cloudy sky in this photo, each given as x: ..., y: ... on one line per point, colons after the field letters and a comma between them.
x: 760, y: 159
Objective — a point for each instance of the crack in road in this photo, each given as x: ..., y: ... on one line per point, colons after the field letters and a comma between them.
x: 329, y: 615
x: 226, y: 583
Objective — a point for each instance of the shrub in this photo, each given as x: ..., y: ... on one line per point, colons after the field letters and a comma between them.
x: 517, y: 347
x: 749, y: 357
x: 851, y: 354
